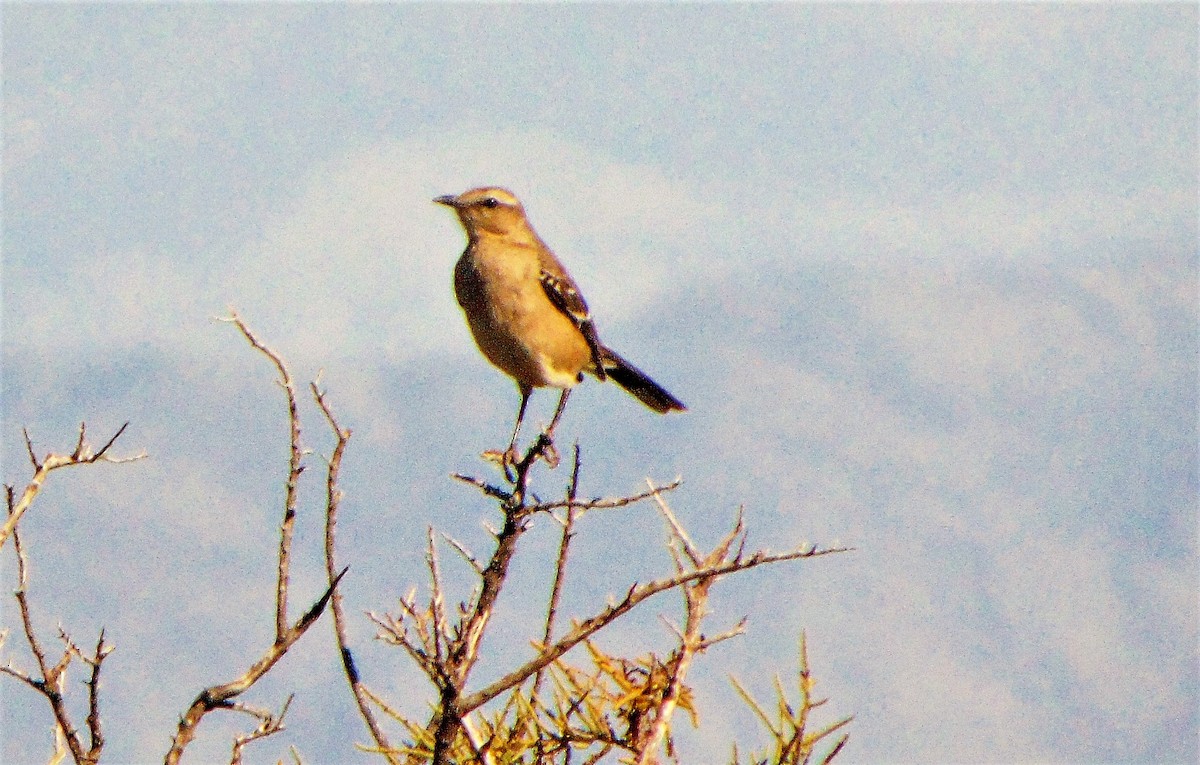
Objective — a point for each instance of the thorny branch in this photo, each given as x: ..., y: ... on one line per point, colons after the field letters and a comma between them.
x: 636, y: 594
x: 560, y: 564
x: 446, y: 652
x: 222, y: 696
x: 598, y: 503
x: 691, y: 640
x: 269, y: 725
x: 82, y: 455
x: 295, y: 468
x: 52, y: 682
x: 333, y: 498
x: 792, y: 741
x: 446, y: 646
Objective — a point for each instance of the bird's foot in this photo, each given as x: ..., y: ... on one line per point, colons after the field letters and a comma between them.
x: 506, y: 460
x: 510, y: 460
x: 549, y: 453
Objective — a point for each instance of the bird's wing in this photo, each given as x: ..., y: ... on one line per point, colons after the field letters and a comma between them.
x: 564, y: 294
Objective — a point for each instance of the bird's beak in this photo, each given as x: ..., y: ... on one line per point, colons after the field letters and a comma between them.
x: 449, y: 200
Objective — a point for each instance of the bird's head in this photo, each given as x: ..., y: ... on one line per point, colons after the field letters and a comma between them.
x: 488, y: 210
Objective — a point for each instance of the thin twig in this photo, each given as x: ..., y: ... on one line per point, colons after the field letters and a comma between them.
x: 295, y: 468
x: 41, y: 469
x: 269, y: 725
x: 219, y: 696
x: 437, y: 603
x: 93, y: 684
x: 29, y: 450
x: 636, y: 595
x: 286, y: 634
x: 333, y: 498
x: 53, y: 678
x: 464, y: 553
x: 677, y: 530
x: 691, y: 641
x: 510, y: 499
x: 560, y: 566
x: 103, y: 449
x: 491, y: 490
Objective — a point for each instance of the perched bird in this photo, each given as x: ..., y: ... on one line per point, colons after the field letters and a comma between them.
x: 526, y: 313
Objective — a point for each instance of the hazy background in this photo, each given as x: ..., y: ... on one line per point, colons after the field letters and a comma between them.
x: 925, y: 275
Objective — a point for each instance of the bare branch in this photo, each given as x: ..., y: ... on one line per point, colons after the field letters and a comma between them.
x: 270, y: 725
x: 53, y: 678
x: 464, y: 553
x: 333, y: 498
x: 691, y: 640
x: 841, y: 742
x: 492, y: 491
x: 12, y: 671
x: 93, y: 685
x: 29, y: 450
x: 80, y: 456
x: 103, y: 449
x: 462, y: 650
x: 734, y: 631
x: 677, y: 530
x: 560, y: 567
x: 295, y: 468
x: 437, y: 603
x: 612, y: 502
x: 636, y: 595
x: 220, y: 696
x: 396, y: 634
x: 79, y: 444
x: 649, y: 692
x: 593, y: 504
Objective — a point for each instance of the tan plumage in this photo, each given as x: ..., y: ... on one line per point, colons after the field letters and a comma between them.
x: 526, y: 312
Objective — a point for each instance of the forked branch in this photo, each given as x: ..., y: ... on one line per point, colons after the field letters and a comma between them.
x: 53, y: 678
x: 636, y: 594
x: 446, y: 650
x: 295, y: 468
x: 81, y: 455
x: 222, y: 696
x: 333, y: 499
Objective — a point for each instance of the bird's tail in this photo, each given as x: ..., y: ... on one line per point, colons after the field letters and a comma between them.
x: 639, y: 384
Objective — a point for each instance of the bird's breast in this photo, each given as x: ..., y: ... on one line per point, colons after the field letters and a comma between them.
x: 514, y: 323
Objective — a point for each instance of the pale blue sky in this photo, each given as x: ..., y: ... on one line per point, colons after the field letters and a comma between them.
x: 925, y: 275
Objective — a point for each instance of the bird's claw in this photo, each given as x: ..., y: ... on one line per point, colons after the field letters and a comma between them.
x: 549, y: 453
x: 509, y: 459
x: 506, y: 460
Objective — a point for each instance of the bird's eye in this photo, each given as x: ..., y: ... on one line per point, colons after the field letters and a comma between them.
x: 490, y: 202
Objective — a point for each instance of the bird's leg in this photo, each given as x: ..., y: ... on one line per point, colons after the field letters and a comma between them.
x: 510, y: 455
x: 548, y: 435
x: 562, y: 404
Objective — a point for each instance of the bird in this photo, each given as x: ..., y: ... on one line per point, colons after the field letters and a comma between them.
x: 528, y: 316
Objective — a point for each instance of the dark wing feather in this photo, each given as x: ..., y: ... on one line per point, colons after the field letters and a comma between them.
x: 565, y: 296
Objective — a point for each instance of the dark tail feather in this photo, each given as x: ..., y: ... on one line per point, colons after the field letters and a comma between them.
x: 637, y: 383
